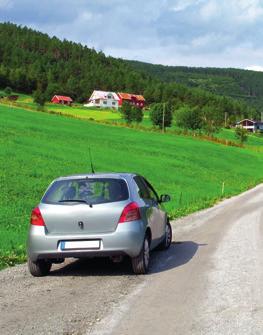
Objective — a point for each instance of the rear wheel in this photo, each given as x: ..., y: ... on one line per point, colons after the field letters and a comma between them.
x: 165, y: 244
x: 39, y: 268
x: 140, y: 264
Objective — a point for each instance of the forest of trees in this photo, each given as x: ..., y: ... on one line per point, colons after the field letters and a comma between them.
x: 34, y: 63
x: 244, y: 85
x: 31, y: 60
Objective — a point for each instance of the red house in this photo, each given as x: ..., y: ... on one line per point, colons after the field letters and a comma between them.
x: 133, y: 99
x: 61, y: 99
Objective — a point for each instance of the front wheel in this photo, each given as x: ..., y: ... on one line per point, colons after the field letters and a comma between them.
x: 165, y: 244
x: 39, y: 268
x: 140, y: 264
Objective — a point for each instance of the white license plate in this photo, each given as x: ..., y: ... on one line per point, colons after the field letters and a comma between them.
x: 70, y: 245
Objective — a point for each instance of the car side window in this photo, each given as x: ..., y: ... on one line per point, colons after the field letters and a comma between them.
x: 151, y: 191
x: 142, y: 189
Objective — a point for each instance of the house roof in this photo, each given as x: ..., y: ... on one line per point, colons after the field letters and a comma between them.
x: 140, y: 97
x: 103, y: 95
x: 246, y: 120
x: 125, y: 96
x: 128, y: 96
x: 63, y: 97
x: 253, y: 121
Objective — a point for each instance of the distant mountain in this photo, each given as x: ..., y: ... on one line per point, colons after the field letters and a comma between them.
x: 239, y: 84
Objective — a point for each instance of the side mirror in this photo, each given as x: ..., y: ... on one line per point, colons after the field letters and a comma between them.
x: 164, y: 198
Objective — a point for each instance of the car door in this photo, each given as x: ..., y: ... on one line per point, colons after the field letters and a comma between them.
x: 151, y: 209
x: 148, y: 208
x: 159, y: 214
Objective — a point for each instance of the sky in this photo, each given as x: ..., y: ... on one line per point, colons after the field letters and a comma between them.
x: 202, y: 33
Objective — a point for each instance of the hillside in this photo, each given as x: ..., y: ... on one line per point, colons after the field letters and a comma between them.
x: 109, y: 116
x: 38, y: 147
x: 32, y: 61
x: 244, y: 85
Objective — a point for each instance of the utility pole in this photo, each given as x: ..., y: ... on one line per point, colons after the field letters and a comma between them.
x: 225, y: 118
x: 163, y: 115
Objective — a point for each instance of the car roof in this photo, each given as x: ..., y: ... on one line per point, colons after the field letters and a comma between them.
x: 114, y: 175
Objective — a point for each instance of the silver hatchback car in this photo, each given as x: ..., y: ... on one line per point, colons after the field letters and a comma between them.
x: 109, y: 215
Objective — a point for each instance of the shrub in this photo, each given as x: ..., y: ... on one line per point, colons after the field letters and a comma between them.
x: 39, y: 97
x: 131, y: 113
x: 137, y: 114
x: 126, y: 111
x: 241, y: 134
x: 212, y: 119
x: 161, y: 115
x: 189, y: 118
x: 8, y: 90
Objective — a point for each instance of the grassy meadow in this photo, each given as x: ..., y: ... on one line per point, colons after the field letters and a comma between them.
x: 254, y: 140
x: 112, y: 116
x: 37, y: 147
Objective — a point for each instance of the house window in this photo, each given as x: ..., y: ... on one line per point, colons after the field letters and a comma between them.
x: 113, y: 103
x: 105, y: 102
x: 109, y: 97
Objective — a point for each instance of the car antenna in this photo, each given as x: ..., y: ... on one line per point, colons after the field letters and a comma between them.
x: 91, y: 164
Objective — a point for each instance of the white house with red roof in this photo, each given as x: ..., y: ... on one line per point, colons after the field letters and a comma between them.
x: 61, y: 99
x: 102, y: 99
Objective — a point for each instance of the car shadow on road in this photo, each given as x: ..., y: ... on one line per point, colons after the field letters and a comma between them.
x: 92, y: 267
x: 177, y: 255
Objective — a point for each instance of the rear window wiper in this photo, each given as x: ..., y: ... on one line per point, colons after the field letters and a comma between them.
x: 76, y: 200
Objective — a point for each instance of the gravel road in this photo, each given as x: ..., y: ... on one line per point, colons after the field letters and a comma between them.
x: 208, y: 282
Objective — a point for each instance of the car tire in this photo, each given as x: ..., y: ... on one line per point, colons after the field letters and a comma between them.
x: 166, y: 243
x: 39, y: 268
x: 140, y: 264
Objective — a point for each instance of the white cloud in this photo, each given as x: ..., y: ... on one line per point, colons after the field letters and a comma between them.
x: 205, y: 41
x: 255, y: 68
x: 181, y: 5
x: 232, y: 11
x: 210, y: 10
x: 6, y: 4
x: 85, y: 16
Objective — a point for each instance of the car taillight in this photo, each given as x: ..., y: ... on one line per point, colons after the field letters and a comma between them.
x: 36, y: 218
x: 130, y: 213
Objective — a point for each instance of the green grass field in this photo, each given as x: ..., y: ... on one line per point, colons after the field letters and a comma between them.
x: 108, y: 115
x: 38, y: 147
x: 84, y: 112
x: 77, y: 110
x: 253, y: 139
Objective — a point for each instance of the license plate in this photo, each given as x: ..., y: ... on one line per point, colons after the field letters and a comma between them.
x: 76, y: 245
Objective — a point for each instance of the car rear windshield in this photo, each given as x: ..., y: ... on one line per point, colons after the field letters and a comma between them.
x: 91, y: 191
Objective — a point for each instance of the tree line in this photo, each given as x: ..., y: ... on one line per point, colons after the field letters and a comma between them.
x: 243, y: 85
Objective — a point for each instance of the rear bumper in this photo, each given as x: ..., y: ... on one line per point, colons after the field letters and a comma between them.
x: 127, y: 239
